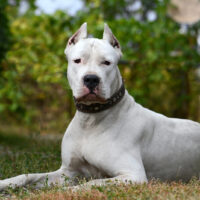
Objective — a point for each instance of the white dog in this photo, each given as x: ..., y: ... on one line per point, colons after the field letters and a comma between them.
x: 111, y: 137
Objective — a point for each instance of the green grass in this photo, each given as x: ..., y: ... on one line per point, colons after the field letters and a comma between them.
x: 28, y: 154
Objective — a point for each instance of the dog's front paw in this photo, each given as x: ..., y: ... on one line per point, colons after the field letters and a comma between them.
x: 78, y: 188
x: 74, y: 188
x: 3, y: 185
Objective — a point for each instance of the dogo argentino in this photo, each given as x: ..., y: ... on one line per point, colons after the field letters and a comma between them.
x: 111, y: 137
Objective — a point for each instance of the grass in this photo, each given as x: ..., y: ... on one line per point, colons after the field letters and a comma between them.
x: 27, y: 154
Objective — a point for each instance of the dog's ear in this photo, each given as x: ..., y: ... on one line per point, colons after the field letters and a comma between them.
x: 108, y: 35
x: 80, y: 34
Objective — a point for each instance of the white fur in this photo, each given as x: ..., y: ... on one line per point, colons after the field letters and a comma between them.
x: 124, y: 143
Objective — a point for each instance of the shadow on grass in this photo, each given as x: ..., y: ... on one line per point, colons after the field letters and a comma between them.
x: 27, y: 141
x: 14, y: 140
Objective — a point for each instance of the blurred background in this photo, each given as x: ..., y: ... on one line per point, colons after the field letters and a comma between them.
x: 160, y: 41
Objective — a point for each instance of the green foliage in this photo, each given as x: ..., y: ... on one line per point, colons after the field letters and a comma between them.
x: 36, y: 65
x: 158, y: 62
x: 4, y: 30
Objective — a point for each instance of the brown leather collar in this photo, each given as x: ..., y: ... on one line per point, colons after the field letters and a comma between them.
x: 98, y: 107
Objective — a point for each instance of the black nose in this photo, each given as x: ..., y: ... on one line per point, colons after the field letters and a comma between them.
x: 91, y: 81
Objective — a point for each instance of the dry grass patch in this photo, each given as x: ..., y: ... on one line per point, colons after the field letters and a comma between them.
x: 154, y: 190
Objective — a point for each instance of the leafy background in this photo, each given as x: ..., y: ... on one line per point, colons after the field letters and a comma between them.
x: 159, y: 62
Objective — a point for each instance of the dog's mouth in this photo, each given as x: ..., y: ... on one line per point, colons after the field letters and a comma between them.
x: 91, y: 97
x: 92, y: 102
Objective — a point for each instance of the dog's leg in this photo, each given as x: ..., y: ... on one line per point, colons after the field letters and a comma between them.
x: 126, y: 179
x: 38, y: 180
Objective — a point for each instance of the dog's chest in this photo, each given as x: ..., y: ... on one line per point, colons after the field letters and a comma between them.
x: 82, y: 168
x: 88, y: 158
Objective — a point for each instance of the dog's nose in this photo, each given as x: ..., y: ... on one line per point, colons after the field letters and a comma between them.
x: 91, y: 81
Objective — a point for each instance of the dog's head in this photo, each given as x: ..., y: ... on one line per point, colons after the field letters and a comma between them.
x: 92, y: 65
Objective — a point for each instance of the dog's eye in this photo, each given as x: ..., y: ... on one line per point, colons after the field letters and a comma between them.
x: 77, y: 60
x: 106, y: 62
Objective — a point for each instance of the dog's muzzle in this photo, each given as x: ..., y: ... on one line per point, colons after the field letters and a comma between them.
x: 98, y: 107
